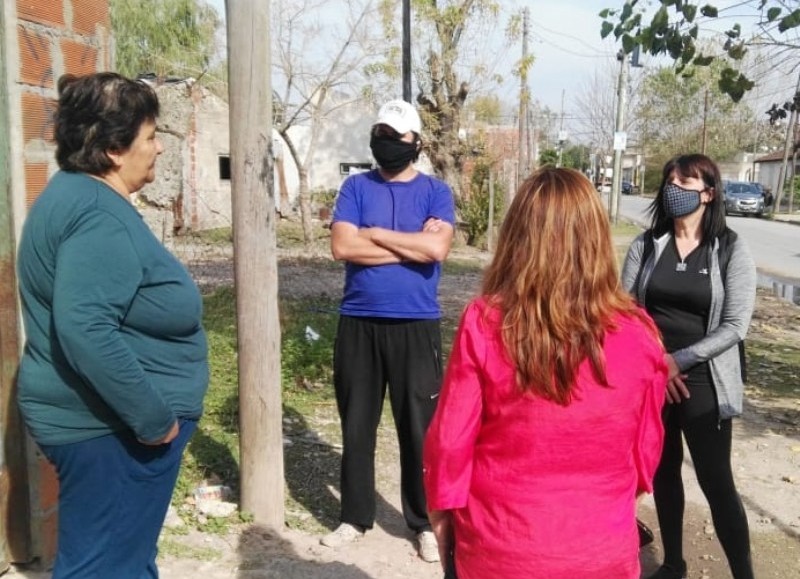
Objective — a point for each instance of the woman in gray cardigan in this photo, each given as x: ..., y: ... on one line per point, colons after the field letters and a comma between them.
x: 697, y: 280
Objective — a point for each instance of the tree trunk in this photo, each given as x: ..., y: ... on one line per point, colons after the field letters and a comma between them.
x: 304, y: 197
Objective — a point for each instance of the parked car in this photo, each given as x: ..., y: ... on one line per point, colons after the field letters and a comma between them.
x: 743, y: 198
x: 629, y: 188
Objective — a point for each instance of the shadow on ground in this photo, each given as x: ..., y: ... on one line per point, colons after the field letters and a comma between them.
x: 265, y: 555
x: 312, y: 467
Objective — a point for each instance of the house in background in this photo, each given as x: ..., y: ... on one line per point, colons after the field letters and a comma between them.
x: 192, y: 190
x: 769, y: 167
x: 743, y: 167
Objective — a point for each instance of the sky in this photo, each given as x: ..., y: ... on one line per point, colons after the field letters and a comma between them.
x: 565, y: 41
x: 567, y: 48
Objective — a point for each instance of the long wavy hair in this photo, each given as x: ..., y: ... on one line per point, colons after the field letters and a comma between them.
x: 555, y: 279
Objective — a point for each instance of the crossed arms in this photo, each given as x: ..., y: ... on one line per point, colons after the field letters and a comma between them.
x: 379, y: 246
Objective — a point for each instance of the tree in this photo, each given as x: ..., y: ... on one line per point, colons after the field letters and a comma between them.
x: 674, y: 30
x: 597, y: 103
x: 318, y: 70
x: 685, y: 111
x: 164, y: 37
x: 447, y: 69
x: 487, y: 109
x: 548, y: 157
x: 576, y: 157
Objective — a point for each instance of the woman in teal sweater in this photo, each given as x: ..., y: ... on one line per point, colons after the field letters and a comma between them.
x: 114, y: 369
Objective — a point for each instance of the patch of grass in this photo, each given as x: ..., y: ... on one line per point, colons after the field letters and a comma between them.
x: 220, y: 235
x: 175, y: 548
x: 455, y: 266
x: 308, y: 330
x: 774, y: 368
x: 290, y: 234
x: 625, y: 228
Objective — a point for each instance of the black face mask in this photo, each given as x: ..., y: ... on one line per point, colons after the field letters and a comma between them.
x: 679, y: 201
x: 391, y: 153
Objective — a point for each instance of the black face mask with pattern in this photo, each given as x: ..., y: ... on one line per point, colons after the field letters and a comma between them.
x: 392, y: 154
x: 679, y: 201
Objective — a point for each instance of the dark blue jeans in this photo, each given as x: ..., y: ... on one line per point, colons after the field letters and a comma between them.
x: 113, y: 495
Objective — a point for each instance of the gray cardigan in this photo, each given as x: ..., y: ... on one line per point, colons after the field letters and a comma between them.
x: 732, y: 301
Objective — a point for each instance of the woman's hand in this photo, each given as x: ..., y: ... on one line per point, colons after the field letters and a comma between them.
x: 442, y: 527
x: 166, y: 439
x: 676, y: 388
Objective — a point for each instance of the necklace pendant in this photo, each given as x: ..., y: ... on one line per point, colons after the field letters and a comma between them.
x: 680, y: 266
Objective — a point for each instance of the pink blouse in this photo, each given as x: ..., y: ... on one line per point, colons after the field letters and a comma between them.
x: 538, y: 489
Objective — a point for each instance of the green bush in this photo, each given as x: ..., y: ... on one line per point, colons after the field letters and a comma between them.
x: 473, y: 205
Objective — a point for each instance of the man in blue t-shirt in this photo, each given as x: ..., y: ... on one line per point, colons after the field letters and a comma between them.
x: 393, y: 226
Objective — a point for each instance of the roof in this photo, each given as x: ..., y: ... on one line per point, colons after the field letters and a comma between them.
x: 777, y: 156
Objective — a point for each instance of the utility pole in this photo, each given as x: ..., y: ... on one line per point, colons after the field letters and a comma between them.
x: 619, y: 138
x: 490, y: 225
x: 787, y: 144
x: 522, y: 168
x: 255, y: 264
x: 705, y: 114
x: 407, y: 50
x: 561, y: 136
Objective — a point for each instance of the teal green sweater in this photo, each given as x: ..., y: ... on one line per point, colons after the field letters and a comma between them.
x: 114, y: 339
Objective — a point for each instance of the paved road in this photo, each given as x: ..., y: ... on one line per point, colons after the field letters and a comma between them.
x: 775, y: 245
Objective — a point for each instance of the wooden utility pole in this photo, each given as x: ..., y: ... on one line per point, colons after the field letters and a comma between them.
x: 522, y: 168
x: 255, y: 264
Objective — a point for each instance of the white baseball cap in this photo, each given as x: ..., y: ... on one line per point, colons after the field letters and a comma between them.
x: 401, y: 116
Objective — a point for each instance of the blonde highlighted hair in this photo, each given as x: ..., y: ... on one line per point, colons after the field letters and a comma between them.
x: 555, y: 279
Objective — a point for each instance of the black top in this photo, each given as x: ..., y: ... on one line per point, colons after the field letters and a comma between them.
x: 679, y: 299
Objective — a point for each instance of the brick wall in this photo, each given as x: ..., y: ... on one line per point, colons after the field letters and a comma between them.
x: 53, y: 37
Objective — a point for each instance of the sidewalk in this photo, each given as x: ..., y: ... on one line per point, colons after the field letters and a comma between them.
x: 793, y: 218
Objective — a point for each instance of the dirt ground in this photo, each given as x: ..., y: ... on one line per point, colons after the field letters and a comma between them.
x: 766, y: 460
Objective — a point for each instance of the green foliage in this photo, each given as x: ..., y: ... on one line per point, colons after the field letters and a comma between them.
x: 673, y: 30
x: 324, y: 197
x: 673, y: 110
x: 474, y: 206
x: 548, y: 157
x: 487, y: 109
x: 165, y: 37
x: 576, y: 157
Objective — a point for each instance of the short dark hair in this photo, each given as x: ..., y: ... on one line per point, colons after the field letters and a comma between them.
x: 701, y: 167
x: 98, y: 113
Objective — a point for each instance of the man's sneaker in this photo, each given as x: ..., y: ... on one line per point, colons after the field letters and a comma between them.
x: 428, y: 548
x: 343, y: 535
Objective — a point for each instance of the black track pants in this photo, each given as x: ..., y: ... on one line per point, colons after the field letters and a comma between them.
x: 371, y: 353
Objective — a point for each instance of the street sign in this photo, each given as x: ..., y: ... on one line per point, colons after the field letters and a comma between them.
x: 620, y: 140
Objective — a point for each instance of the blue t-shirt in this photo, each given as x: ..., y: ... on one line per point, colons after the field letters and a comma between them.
x: 403, y: 290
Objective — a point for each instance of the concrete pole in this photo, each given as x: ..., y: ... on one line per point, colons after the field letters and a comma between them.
x: 616, y: 178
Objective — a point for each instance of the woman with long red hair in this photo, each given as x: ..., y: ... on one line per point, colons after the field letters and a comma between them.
x: 549, y: 424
